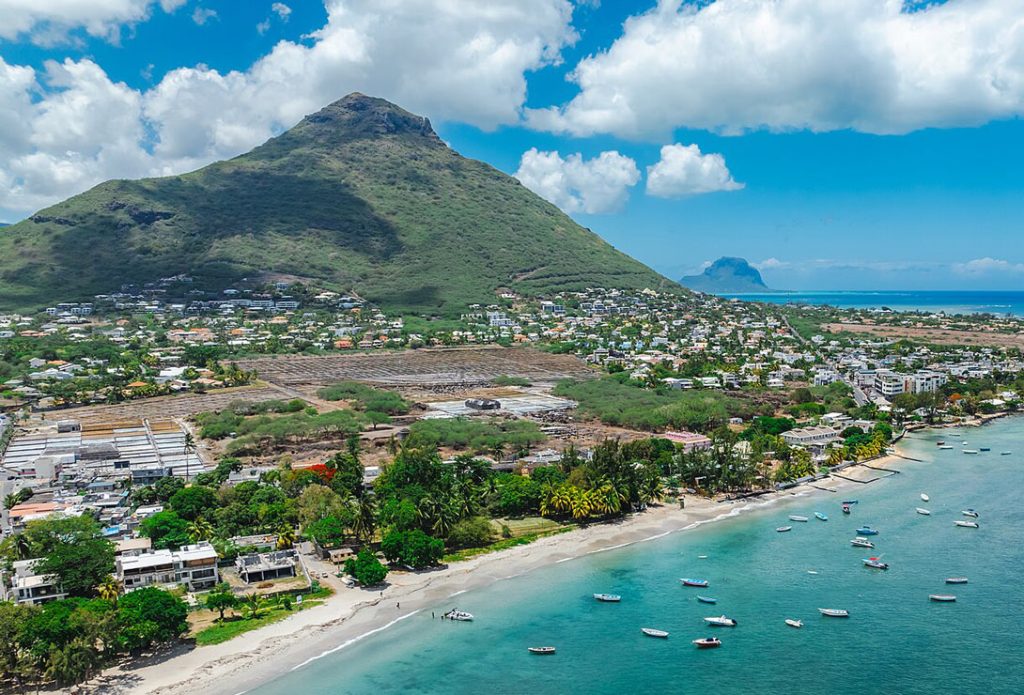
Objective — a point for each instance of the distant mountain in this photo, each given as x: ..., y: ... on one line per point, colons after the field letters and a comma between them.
x: 361, y: 196
x: 727, y: 275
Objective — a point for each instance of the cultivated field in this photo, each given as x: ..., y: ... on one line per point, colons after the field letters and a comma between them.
x: 936, y: 336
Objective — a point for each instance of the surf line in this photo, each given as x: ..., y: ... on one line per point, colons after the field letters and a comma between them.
x: 355, y: 639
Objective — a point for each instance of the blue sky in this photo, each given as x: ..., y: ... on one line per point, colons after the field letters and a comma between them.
x: 845, y: 147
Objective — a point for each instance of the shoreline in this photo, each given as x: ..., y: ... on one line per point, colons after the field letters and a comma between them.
x: 351, y: 615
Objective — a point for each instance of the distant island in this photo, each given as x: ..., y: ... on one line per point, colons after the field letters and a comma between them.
x: 727, y: 275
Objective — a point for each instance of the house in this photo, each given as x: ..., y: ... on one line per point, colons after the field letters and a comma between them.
x: 810, y: 436
x: 195, y: 566
x: 259, y: 567
x: 23, y: 585
x: 688, y: 440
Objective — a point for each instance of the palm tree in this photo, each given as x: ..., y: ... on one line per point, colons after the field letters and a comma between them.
x: 73, y: 663
x: 285, y: 538
x: 254, y: 603
x: 365, y: 522
x: 109, y: 589
x: 190, y: 448
x: 11, y: 501
x: 21, y: 545
x: 199, y: 530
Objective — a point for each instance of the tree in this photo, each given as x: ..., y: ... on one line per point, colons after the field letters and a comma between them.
x: 366, y: 568
x: 72, y: 663
x: 150, y: 616
x: 189, y: 448
x: 14, y: 617
x: 73, y: 550
x: 328, y: 532
x: 348, y: 474
x: 254, y: 603
x: 412, y: 548
x: 200, y: 530
x: 166, y: 487
x: 109, y: 589
x: 285, y: 538
x: 221, y: 598
x: 193, y: 502
x: 318, y: 502
x: 165, y: 530
x: 471, y: 533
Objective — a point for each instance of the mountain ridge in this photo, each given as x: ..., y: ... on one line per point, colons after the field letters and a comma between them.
x: 727, y: 275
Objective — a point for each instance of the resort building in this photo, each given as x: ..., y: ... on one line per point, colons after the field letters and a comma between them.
x: 195, y: 566
x: 688, y: 440
x: 810, y: 436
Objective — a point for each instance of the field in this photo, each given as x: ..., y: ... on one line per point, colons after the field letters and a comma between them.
x: 164, y: 407
x: 934, y: 336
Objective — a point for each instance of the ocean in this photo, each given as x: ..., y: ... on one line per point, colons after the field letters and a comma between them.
x: 895, y: 640
x: 951, y: 302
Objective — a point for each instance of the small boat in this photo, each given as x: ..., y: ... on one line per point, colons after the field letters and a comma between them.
x: 794, y: 623
x: 541, y: 650
x: 795, y: 517
x: 1005, y: 453
x: 861, y: 542
x: 875, y: 563
x: 720, y: 621
x: 460, y: 616
x: 707, y: 642
x: 694, y: 582
x: 924, y: 497
x: 608, y: 598
x: 702, y: 557
x: 940, y: 442
x: 966, y: 524
x: 970, y: 451
x: 846, y: 509
x: 651, y: 632
x: 820, y: 516
x: 984, y: 448
x: 707, y: 599
x: 956, y: 580
x: 867, y: 531
x: 834, y: 612
x: 850, y: 501
x: 969, y: 512
x: 964, y: 442
x: 812, y: 571
x: 942, y: 598
x: 922, y: 511
x: 946, y: 446
x: 783, y: 529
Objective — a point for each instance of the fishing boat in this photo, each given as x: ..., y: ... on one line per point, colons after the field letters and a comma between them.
x: 924, y: 497
x: 651, y: 632
x: 956, y: 580
x: 861, y: 542
x: 866, y: 531
x: 922, y: 511
x: 820, y: 516
x: 720, y: 621
x: 970, y: 451
x: 460, y: 616
x: 608, y: 598
x: 707, y: 599
x: 794, y: 623
x: 1005, y: 453
x: 846, y: 509
x: 942, y: 598
x: 694, y: 582
x: 850, y: 501
x: 984, y: 448
x: 969, y: 512
x: 940, y: 442
x: 783, y: 529
x: 875, y: 563
x: 966, y: 524
x: 946, y: 446
x: 834, y: 612
x: 707, y: 642
x: 796, y: 517
x: 541, y: 650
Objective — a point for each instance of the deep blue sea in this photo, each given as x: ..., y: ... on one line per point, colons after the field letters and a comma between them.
x: 895, y: 641
x: 951, y: 302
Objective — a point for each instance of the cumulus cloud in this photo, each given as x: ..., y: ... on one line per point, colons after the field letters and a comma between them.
x: 877, y: 66
x: 459, y: 61
x: 576, y: 184
x: 683, y: 170
x: 281, y: 10
x: 50, y: 21
x: 201, y: 15
x: 988, y: 265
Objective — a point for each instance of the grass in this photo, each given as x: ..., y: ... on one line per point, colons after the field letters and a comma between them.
x: 504, y: 544
x: 231, y: 628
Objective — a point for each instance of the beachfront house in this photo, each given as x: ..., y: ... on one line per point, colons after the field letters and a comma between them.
x: 259, y: 567
x: 195, y: 566
x: 23, y: 585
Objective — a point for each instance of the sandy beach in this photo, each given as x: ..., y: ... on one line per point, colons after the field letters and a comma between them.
x: 352, y: 614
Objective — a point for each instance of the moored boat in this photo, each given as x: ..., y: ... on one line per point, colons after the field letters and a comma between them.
x: 942, y: 598
x: 861, y: 542
x: 797, y: 517
x: 834, y: 612
x: 867, y: 531
x: 720, y: 621
x: 707, y: 599
x: 969, y: 512
x: 946, y: 446
x: 783, y: 529
x: 875, y: 563
x: 970, y: 451
x: 707, y: 642
x: 608, y: 598
x: 820, y: 516
x: 966, y: 524
x: 651, y: 632
x: 846, y: 509
x: 460, y: 616
x: 851, y: 501
x: 984, y: 448
x: 541, y: 650
x: 956, y: 580
x: 923, y: 512
x: 687, y: 581
x: 940, y: 442
x: 924, y: 497
x: 1005, y: 453
x: 794, y: 623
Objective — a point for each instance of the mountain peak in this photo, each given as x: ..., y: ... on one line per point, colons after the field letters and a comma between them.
x: 360, y: 116
x: 729, y: 275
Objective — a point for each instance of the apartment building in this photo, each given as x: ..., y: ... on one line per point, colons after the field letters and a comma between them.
x: 23, y: 585
x: 195, y: 566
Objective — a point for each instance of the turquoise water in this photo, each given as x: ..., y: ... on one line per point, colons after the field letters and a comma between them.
x: 896, y: 640
x: 952, y: 302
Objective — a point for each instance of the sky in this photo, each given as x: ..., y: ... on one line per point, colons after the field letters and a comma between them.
x: 835, y: 144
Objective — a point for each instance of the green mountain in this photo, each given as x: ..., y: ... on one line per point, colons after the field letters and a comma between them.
x: 361, y: 196
x: 727, y: 275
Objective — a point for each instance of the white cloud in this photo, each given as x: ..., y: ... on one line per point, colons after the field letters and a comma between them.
x: 683, y: 170
x: 201, y: 15
x: 263, y: 27
x: 48, y: 22
x: 575, y: 184
x: 988, y: 265
x: 447, y: 60
x: 733, y: 65
x: 281, y: 10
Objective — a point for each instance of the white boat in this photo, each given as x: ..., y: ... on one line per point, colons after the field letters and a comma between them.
x: 924, y: 497
x: 820, y: 516
x: 834, y: 612
x: 922, y: 511
x: 794, y: 623
x: 956, y: 580
x: 862, y: 542
x: 1005, y: 453
x: 720, y: 621
x: 942, y: 598
x: 875, y: 563
x: 970, y: 451
x: 969, y: 512
x: 707, y: 642
x: 967, y: 524
x: 796, y: 517
x: 783, y: 529
x: 460, y: 616
x: 541, y: 650
x: 946, y: 446
x: 651, y: 632
x: 608, y: 598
